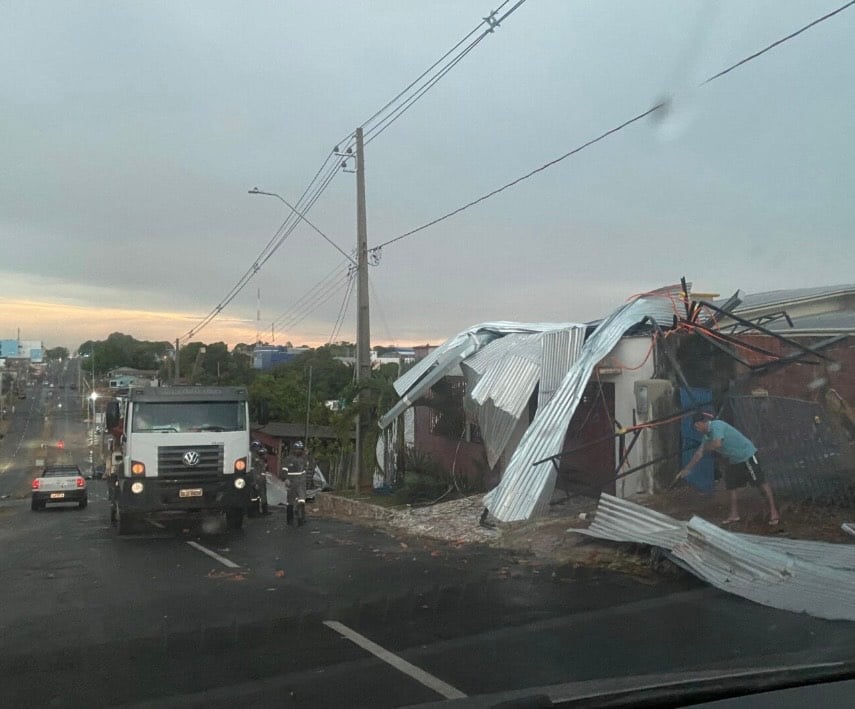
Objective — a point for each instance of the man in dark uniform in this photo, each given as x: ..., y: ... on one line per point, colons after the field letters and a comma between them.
x: 259, y: 467
x: 296, y: 466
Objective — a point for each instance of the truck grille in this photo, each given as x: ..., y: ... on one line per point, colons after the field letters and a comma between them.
x: 171, y: 461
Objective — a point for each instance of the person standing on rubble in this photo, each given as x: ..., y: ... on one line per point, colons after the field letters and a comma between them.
x: 741, y: 455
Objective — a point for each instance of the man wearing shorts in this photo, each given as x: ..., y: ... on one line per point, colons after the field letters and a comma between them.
x: 741, y: 455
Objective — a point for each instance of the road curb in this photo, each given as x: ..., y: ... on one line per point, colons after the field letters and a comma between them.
x: 328, y: 503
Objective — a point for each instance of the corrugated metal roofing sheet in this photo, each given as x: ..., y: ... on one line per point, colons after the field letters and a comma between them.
x: 624, y: 521
x: 500, y: 398
x: 765, y: 576
x: 791, y: 574
x: 525, y: 489
x: 560, y: 350
x: 477, y: 336
x: 502, y: 376
x: 755, y: 301
x: 416, y: 382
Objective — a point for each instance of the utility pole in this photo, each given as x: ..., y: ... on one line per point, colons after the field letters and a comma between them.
x: 308, y: 407
x: 177, y: 365
x: 363, y: 323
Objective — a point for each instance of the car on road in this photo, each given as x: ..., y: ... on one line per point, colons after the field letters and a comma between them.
x: 59, y: 484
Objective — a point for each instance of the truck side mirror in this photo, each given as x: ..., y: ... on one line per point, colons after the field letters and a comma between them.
x: 113, y: 415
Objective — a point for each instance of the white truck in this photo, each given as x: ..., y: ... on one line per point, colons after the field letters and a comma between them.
x: 178, y: 451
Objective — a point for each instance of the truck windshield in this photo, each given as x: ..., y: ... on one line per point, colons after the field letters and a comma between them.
x: 181, y: 417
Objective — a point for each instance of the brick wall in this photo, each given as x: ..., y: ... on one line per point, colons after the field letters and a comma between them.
x: 795, y: 380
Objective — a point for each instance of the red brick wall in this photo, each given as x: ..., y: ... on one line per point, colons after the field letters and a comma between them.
x: 794, y: 380
x: 444, y: 449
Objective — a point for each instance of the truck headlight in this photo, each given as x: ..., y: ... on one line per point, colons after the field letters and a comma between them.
x: 136, y: 488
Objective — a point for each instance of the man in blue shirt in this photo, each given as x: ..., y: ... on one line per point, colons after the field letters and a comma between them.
x: 743, y: 466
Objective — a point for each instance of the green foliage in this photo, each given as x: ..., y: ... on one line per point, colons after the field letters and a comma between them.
x: 286, y: 388
x: 120, y: 350
x: 216, y: 365
x: 55, y: 353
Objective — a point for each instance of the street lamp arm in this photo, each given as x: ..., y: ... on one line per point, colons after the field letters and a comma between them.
x: 302, y: 216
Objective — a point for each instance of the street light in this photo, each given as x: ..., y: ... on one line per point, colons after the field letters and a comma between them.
x: 92, y: 397
x: 302, y: 216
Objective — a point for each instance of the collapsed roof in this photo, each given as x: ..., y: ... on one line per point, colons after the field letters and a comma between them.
x: 503, y: 362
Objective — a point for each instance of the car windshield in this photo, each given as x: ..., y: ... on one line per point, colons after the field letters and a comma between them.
x: 557, y: 298
x: 183, y: 417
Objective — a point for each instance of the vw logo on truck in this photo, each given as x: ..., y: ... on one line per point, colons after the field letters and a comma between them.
x: 191, y: 458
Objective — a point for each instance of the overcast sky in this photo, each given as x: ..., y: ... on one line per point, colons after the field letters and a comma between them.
x: 130, y: 133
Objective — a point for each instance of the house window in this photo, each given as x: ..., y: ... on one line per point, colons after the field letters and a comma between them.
x: 446, y: 408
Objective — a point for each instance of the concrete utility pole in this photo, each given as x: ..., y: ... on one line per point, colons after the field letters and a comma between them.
x: 363, y: 323
x: 177, y: 366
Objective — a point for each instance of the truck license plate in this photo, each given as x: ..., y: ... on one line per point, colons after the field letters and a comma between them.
x: 57, y: 495
x: 190, y: 492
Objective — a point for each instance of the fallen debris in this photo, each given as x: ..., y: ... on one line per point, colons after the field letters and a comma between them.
x: 817, y: 578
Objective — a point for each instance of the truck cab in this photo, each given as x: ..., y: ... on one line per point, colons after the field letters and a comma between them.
x: 181, y: 451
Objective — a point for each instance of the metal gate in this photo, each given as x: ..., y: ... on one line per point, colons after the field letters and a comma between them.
x: 804, y: 455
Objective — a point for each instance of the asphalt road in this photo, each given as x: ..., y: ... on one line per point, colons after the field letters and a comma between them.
x: 332, y: 614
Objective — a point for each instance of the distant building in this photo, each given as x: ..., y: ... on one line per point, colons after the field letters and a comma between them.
x: 398, y: 356
x: 32, y: 350
x: 266, y: 357
x: 125, y: 377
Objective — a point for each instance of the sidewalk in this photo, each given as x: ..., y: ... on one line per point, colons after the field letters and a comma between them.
x: 543, y: 540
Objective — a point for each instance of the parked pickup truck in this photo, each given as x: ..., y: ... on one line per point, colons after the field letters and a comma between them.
x: 59, y: 483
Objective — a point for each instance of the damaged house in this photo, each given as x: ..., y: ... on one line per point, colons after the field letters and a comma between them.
x: 600, y: 407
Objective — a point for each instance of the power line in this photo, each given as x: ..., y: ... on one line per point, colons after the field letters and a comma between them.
x: 606, y: 134
x: 282, y: 233
x: 489, y: 20
x: 377, y: 303
x: 323, y: 299
x: 395, y: 111
x: 310, y: 297
x: 339, y: 321
x: 393, y: 116
x: 780, y: 41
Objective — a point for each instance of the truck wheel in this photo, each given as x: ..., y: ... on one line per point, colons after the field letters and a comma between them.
x: 234, y: 518
x: 113, y: 517
x: 35, y: 505
x: 82, y: 504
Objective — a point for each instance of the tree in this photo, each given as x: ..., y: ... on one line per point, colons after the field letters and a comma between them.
x: 55, y: 353
x: 120, y: 350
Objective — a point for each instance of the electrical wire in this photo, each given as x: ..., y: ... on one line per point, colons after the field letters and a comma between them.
x: 491, y: 23
x: 309, y: 299
x: 406, y: 105
x: 342, y: 312
x: 282, y: 233
x: 377, y: 305
x: 606, y: 134
x: 330, y: 293
x: 383, y: 121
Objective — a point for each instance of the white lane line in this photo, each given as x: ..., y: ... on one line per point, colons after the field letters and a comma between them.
x: 214, y: 555
x: 418, y: 674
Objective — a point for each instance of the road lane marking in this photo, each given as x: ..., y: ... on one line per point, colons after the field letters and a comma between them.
x: 400, y: 664
x: 214, y: 555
